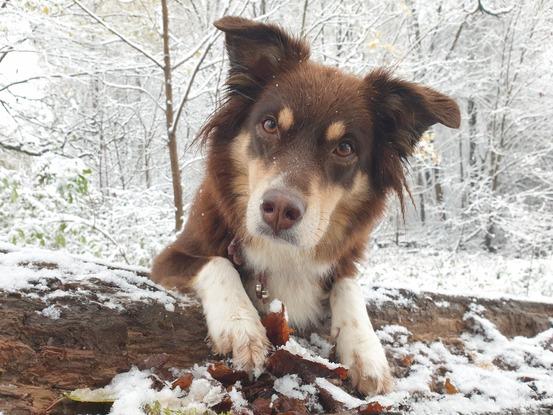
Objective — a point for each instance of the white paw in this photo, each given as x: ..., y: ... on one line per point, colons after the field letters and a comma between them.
x: 368, y: 367
x: 233, y: 323
x: 246, y: 338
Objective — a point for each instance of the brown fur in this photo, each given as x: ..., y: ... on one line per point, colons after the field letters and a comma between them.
x: 268, y: 67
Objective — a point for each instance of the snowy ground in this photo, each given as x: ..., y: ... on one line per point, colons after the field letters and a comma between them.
x: 464, y: 273
x: 483, y: 372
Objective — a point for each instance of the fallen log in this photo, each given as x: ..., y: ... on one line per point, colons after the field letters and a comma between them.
x: 77, y: 326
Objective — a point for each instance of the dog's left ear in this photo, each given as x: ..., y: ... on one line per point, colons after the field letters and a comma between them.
x: 258, y: 52
x: 402, y: 112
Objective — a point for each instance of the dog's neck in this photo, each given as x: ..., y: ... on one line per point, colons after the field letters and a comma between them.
x: 290, y: 275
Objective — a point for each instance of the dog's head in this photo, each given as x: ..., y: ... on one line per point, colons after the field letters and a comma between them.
x: 311, y: 152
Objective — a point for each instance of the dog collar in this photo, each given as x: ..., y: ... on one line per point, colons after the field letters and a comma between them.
x: 234, y: 251
x: 261, y: 290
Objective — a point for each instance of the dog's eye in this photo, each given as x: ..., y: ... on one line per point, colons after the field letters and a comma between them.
x: 344, y: 149
x: 269, y: 125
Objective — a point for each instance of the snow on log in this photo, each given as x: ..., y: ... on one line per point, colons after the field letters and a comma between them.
x: 69, y: 322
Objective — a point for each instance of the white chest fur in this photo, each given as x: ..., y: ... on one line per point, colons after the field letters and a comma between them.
x: 292, y: 277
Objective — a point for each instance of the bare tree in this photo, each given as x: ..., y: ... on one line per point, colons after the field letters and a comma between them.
x: 169, y: 117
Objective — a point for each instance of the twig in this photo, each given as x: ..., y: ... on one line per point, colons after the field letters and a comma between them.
x: 190, y: 82
x: 119, y: 35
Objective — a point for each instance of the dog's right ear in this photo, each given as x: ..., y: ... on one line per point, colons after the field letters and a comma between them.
x: 258, y: 52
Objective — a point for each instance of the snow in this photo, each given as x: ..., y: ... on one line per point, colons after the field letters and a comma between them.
x: 456, y: 273
x: 238, y: 401
x: 52, y: 311
x: 322, y: 347
x: 275, y: 306
x: 31, y: 270
x: 473, y: 372
x: 339, y: 394
x: 291, y: 385
x: 294, y: 347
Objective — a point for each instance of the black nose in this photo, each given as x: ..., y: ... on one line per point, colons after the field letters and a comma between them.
x: 281, y: 210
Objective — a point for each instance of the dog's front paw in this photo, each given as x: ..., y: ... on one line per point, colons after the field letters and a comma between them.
x: 370, y: 375
x: 246, y: 338
x: 368, y: 367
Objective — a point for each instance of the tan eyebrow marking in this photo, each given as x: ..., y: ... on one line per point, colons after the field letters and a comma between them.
x: 335, y: 130
x: 285, y: 118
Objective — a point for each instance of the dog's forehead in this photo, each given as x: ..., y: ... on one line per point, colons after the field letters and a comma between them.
x: 317, y: 94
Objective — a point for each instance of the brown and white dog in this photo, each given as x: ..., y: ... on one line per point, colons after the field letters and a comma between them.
x: 301, y: 160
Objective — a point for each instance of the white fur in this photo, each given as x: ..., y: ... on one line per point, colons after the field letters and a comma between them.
x: 357, y: 345
x: 291, y: 277
x: 232, y: 321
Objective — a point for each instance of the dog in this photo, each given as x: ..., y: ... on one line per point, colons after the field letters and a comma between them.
x: 301, y: 160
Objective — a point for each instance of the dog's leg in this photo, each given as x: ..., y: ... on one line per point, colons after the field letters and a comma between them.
x: 233, y: 322
x: 357, y: 345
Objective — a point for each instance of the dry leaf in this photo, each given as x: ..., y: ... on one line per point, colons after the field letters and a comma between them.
x: 183, y: 382
x: 282, y: 362
x: 224, y: 406
x: 277, y: 327
x: 450, y: 387
x: 373, y: 408
x: 224, y: 374
x: 262, y: 406
x: 406, y: 361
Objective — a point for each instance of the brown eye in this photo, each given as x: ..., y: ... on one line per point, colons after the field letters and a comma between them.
x: 344, y: 149
x: 269, y: 125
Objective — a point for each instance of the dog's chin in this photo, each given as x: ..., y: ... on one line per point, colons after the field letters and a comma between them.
x: 283, y: 237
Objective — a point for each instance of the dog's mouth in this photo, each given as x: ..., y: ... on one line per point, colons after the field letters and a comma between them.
x: 279, y: 236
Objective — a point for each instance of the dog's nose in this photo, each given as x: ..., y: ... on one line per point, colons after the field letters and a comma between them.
x: 281, y: 210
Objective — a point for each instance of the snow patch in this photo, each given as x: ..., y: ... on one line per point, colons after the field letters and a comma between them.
x: 339, y: 394
x: 35, y: 273
x: 296, y: 348
x: 291, y: 386
x: 52, y: 311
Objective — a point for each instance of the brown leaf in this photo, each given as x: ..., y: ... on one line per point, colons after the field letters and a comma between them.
x: 224, y: 406
x: 262, y: 406
x: 277, y: 327
x: 224, y: 374
x: 184, y: 381
x: 282, y: 362
x: 327, y: 401
x: 449, y: 387
x: 284, y: 404
x: 406, y: 361
x: 373, y: 408
x: 262, y: 387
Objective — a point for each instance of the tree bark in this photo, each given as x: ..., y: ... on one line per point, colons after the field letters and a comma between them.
x: 169, y: 119
x: 40, y: 357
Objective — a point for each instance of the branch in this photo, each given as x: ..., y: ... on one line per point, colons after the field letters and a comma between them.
x: 71, y: 75
x: 119, y: 35
x: 135, y: 88
x: 456, y: 39
x: 193, y: 52
x: 190, y: 82
x: 481, y: 8
x: 19, y: 148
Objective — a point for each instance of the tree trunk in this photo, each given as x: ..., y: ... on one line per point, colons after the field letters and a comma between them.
x: 41, y: 358
x: 422, y: 187
x: 169, y: 118
x: 439, y: 192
